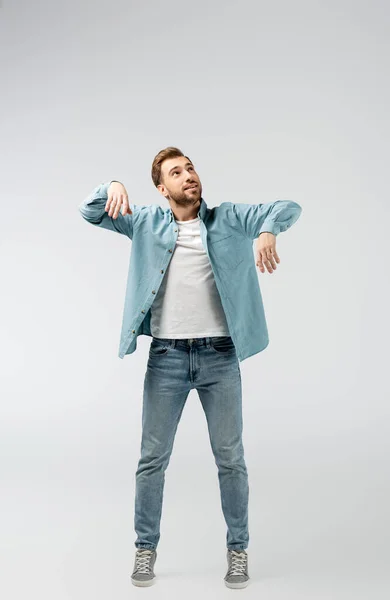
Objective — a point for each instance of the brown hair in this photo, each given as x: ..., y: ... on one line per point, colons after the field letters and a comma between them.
x: 170, y: 152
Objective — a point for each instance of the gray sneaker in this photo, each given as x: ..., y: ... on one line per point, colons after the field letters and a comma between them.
x: 237, y: 573
x: 143, y: 573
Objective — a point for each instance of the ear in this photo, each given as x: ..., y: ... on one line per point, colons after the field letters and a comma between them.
x: 161, y: 188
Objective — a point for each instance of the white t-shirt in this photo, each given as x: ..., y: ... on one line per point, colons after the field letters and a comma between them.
x: 188, y: 304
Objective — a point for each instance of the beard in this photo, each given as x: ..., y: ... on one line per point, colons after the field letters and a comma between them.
x: 186, y: 198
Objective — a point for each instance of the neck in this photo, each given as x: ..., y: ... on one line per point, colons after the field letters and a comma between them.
x: 185, y: 213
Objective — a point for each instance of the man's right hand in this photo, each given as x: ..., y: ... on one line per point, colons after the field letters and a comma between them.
x: 117, y: 200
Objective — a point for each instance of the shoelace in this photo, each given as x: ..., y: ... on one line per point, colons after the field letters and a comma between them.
x: 238, y: 562
x: 142, y: 560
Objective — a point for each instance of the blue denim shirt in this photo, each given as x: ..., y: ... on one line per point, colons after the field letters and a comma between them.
x: 227, y: 233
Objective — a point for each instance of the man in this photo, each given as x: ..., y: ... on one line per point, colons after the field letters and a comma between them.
x: 192, y: 287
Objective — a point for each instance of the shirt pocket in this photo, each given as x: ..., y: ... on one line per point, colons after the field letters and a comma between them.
x: 227, y: 251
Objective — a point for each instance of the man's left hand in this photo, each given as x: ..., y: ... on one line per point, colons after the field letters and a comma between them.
x: 266, y: 254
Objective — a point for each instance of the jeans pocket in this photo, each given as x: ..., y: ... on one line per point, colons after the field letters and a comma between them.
x: 222, y: 345
x: 158, y: 347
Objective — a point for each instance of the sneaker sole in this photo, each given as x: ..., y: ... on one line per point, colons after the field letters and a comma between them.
x: 240, y: 584
x: 145, y: 583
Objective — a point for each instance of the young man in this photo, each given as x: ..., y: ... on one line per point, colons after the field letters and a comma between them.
x: 192, y: 287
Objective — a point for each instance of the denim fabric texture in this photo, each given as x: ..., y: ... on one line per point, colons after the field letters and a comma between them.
x: 175, y: 367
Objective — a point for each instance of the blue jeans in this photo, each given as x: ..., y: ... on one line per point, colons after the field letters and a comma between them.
x: 175, y: 366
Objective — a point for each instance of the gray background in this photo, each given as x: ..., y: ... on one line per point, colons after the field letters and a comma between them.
x: 278, y: 100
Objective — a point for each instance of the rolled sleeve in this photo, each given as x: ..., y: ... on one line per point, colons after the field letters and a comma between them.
x: 273, y: 217
x: 92, y: 209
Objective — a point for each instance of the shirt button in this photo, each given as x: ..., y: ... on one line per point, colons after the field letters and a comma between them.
x: 133, y: 331
x: 169, y: 250
x: 175, y: 229
x: 142, y: 311
x: 162, y: 271
x: 153, y: 291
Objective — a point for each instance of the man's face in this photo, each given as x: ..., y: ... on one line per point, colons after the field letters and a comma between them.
x: 178, y: 175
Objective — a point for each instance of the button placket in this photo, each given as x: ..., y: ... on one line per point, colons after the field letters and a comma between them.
x: 154, y: 291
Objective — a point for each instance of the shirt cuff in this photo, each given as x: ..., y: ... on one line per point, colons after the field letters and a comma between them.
x: 270, y: 226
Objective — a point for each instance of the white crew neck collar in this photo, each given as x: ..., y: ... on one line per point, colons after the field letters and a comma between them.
x: 188, y: 221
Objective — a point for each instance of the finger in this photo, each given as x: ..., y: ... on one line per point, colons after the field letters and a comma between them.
x: 126, y: 207
x: 117, y: 209
x: 112, y: 207
x: 267, y: 262
x: 109, y: 198
x: 271, y: 257
x: 271, y: 261
x: 259, y: 263
x: 271, y: 253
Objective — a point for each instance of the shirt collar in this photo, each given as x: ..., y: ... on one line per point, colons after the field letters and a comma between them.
x: 201, y: 213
